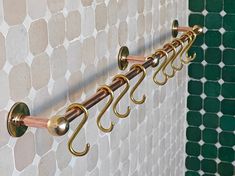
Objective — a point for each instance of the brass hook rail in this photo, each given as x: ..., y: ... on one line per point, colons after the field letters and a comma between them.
x: 37, y: 122
x: 19, y: 118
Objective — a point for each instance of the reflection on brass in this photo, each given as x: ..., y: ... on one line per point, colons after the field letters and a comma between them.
x: 169, y: 60
x: 138, y: 66
x: 14, y: 126
x: 186, y: 49
x: 58, y: 126
x: 122, y: 58
x: 77, y: 130
x: 124, y: 78
x: 106, y: 130
x: 165, y: 54
x: 177, y: 54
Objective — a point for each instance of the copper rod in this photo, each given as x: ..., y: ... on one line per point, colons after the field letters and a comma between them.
x: 34, y: 121
x: 184, y: 29
x: 136, y: 59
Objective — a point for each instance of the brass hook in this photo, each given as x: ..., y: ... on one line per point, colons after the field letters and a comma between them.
x: 179, y: 52
x: 79, y: 127
x: 186, y: 49
x: 137, y: 84
x: 106, y: 130
x: 123, y: 77
x: 169, y: 60
x: 160, y: 67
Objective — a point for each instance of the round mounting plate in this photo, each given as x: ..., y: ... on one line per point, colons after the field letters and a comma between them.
x: 17, y: 110
x: 174, y: 29
x: 122, y: 58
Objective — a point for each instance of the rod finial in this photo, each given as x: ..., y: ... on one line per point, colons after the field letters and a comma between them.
x: 197, y: 29
x: 122, y: 58
x: 14, y: 119
x: 58, y: 126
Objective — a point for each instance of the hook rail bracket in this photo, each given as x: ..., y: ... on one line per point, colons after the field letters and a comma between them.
x: 14, y: 121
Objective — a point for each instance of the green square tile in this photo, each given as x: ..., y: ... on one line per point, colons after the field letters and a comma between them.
x: 213, y: 55
x: 199, y: 40
x: 208, y: 166
x: 195, y: 70
x: 193, y: 148
x: 195, y: 87
x: 194, y: 102
x: 228, y: 39
x: 228, y: 73
x: 192, y: 163
x: 209, y: 136
x: 228, y: 90
x: 211, y: 105
x: 212, y: 72
x: 228, y: 56
x: 227, y: 123
x: 212, y: 89
x: 213, y: 21
x: 227, y: 139
x: 226, y: 154
x: 196, y: 6
x: 210, y: 120
x: 225, y: 169
x: 193, y: 134
x: 191, y: 173
x: 196, y: 19
x: 209, y: 151
x: 213, y: 38
x: 229, y: 22
x: 194, y: 118
x: 199, y: 53
x: 214, y: 5
x: 229, y: 6
x: 228, y: 107
x: 208, y: 175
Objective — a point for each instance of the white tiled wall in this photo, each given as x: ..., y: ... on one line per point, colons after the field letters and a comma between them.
x: 55, y: 52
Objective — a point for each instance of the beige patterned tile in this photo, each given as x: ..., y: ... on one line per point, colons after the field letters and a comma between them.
x: 100, y: 16
x: 47, y: 165
x: 73, y: 25
x: 58, y: 62
x: 4, y: 93
x: 38, y: 36
x: 24, y: 151
x: 19, y: 77
x: 17, y: 38
x: 14, y: 11
x: 36, y: 9
x: 56, y: 29
x: 6, y: 161
x: 43, y: 141
x: 55, y: 5
x: 40, y: 78
x: 2, y: 51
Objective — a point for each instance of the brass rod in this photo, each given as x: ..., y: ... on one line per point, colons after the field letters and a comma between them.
x: 184, y: 29
x: 34, y: 121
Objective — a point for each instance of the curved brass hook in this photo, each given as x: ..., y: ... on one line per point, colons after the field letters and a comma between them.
x: 186, y: 49
x: 106, y: 130
x: 123, y: 77
x: 179, y: 52
x: 137, y: 84
x: 169, y: 60
x: 160, y: 67
x: 79, y: 127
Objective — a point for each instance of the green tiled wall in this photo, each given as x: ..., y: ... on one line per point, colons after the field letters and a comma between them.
x: 210, y: 146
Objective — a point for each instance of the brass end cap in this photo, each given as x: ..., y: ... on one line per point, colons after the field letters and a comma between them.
x: 122, y: 57
x: 198, y: 29
x: 58, y: 126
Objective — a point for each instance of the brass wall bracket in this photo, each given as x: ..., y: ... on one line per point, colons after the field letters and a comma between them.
x: 174, y: 28
x: 122, y: 58
x: 14, y: 121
